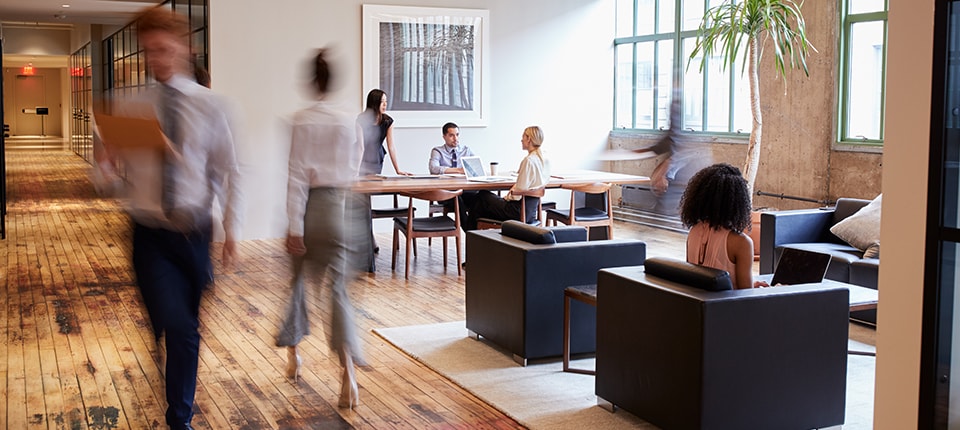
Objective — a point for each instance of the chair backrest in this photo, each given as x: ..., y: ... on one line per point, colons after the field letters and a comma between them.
x: 435, y: 195
x: 430, y: 196
x: 682, y: 272
x: 600, y: 189
x: 538, y: 235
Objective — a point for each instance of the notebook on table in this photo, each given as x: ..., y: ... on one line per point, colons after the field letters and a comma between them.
x: 797, y: 266
x: 473, y: 169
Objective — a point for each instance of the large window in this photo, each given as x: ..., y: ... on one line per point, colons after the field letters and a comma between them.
x: 863, y: 57
x: 124, y: 63
x: 81, y: 93
x: 653, y: 44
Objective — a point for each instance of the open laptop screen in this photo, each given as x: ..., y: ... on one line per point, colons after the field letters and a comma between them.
x: 472, y: 167
x: 797, y: 266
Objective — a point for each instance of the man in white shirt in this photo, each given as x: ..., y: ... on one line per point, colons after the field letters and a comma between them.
x: 170, y: 196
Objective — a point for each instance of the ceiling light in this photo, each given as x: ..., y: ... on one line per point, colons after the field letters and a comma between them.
x: 64, y: 5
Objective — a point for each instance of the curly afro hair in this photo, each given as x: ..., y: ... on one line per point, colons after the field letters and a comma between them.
x: 718, y: 196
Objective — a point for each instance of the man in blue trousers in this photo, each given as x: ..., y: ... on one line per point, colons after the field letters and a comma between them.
x: 170, y: 199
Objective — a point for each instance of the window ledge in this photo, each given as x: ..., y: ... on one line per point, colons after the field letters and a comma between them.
x: 728, y: 138
x: 850, y: 147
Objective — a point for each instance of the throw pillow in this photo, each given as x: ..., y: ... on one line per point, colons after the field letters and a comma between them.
x: 873, y: 251
x: 862, y: 229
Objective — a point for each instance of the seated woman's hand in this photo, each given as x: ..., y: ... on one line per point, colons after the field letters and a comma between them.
x: 760, y: 284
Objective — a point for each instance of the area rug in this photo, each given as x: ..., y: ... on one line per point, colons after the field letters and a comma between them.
x: 542, y: 396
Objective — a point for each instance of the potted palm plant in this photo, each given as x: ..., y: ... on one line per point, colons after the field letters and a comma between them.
x: 734, y: 25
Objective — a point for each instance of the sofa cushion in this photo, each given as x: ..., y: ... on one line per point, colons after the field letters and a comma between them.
x: 569, y: 233
x: 527, y: 233
x: 682, y: 272
x: 862, y: 229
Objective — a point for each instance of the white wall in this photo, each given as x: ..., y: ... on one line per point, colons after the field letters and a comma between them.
x: 905, y: 166
x: 36, y: 41
x: 551, y: 66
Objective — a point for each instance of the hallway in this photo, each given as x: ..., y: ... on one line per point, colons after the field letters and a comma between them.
x: 79, y: 352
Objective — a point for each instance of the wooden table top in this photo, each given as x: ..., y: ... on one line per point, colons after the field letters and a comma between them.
x: 394, y: 184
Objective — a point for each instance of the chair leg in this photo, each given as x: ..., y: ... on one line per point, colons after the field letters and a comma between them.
x: 396, y: 248
x: 444, y: 253
x: 459, y: 257
x: 406, y: 263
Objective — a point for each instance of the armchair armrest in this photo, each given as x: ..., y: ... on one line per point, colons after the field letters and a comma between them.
x: 794, y: 226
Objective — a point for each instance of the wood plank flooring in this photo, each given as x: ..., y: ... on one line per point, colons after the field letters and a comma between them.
x: 78, y: 352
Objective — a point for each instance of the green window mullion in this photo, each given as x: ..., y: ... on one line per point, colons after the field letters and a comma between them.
x: 845, y: 79
x: 731, y: 100
x: 883, y: 81
x: 705, y: 90
x: 633, y: 90
x: 656, y: 84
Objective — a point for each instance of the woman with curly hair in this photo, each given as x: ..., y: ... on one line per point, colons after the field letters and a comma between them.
x: 716, y: 208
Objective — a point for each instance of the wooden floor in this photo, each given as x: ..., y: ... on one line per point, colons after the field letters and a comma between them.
x: 78, y: 351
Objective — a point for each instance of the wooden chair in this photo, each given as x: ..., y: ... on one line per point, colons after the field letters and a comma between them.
x: 586, y: 215
x: 435, y: 208
x: 389, y: 212
x: 433, y: 226
x: 488, y: 223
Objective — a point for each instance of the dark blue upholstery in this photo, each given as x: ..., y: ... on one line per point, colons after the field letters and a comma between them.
x: 681, y: 272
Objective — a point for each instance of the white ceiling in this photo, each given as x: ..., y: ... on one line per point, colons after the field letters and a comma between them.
x: 111, y: 12
x: 52, y: 14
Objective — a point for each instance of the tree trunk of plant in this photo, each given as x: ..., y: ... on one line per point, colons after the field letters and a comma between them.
x: 752, y: 162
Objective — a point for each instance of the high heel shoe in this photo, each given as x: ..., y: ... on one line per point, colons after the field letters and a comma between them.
x: 349, y: 393
x: 293, y: 363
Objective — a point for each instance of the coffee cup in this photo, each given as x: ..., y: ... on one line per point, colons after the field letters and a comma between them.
x: 493, y: 168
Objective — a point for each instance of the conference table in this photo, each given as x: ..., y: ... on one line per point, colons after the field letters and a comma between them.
x: 398, y: 184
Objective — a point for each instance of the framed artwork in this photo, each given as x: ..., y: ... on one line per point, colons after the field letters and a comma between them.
x: 431, y: 62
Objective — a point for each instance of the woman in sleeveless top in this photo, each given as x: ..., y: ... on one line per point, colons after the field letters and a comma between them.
x: 716, y: 208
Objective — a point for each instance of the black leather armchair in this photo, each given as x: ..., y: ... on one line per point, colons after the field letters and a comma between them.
x: 515, y: 283
x: 809, y: 229
x: 686, y: 358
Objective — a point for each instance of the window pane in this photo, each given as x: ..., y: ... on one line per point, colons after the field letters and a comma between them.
x: 865, y: 6
x: 692, y: 14
x: 742, y: 118
x: 645, y: 71
x: 646, y: 11
x: 666, y: 20
x: 664, y: 82
x: 624, y: 76
x: 624, y: 18
x: 864, y: 100
x: 718, y: 99
x: 197, y: 18
x: 692, y: 89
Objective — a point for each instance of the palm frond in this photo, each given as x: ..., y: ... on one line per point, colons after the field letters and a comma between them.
x: 727, y: 27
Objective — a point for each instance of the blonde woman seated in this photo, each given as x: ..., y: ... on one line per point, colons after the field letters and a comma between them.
x: 532, y: 177
x: 716, y: 207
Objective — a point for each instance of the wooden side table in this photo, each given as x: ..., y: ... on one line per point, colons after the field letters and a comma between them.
x: 583, y: 293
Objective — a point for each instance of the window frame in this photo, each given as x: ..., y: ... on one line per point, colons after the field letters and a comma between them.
x: 847, y: 21
x: 678, y: 36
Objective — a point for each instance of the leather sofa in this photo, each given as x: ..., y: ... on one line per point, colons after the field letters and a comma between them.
x: 515, y: 283
x: 682, y: 357
x: 809, y: 229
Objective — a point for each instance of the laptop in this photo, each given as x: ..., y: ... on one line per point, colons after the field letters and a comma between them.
x: 797, y: 266
x: 473, y: 170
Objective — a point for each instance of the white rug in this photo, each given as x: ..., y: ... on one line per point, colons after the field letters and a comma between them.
x: 542, y: 396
